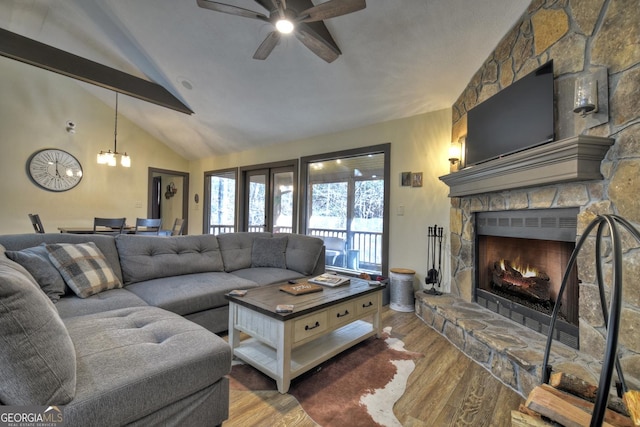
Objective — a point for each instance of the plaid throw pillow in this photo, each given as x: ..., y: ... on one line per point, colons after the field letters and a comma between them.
x: 84, y: 268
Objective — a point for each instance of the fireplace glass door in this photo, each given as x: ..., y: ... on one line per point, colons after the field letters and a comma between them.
x: 528, y: 272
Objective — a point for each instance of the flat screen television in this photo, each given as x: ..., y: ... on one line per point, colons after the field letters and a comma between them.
x: 518, y: 117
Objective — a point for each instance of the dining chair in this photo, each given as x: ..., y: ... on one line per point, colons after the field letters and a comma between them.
x: 115, y: 224
x: 149, y: 226
x: 37, y: 224
x: 178, y: 227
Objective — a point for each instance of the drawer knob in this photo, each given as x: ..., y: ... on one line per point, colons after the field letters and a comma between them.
x: 346, y: 312
x: 308, y: 328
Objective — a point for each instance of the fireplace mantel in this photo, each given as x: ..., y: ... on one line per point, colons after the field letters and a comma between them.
x: 573, y: 159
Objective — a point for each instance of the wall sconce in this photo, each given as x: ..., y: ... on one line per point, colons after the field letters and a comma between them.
x: 71, y: 127
x: 171, y: 191
x: 591, y: 98
x: 585, y: 100
x: 455, y: 152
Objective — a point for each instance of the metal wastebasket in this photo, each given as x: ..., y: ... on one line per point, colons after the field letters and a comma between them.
x: 402, y: 291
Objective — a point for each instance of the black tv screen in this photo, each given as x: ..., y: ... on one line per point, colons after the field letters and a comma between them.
x: 519, y: 116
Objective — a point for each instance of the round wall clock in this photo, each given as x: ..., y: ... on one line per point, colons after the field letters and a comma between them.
x: 54, y: 170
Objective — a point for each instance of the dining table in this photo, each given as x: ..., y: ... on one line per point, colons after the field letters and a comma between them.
x: 99, y: 230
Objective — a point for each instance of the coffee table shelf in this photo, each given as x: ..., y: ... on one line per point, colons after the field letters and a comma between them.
x: 307, y: 356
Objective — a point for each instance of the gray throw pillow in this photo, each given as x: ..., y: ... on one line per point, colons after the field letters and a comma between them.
x: 303, y: 253
x: 83, y: 267
x: 37, y: 357
x: 269, y: 252
x: 36, y: 261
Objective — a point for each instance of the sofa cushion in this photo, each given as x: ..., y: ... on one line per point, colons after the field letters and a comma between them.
x: 190, y: 293
x: 236, y: 249
x: 135, y: 361
x: 303, y: 253
x: 269, y: 252
x: 106, y: 244
x: 72, y: 305
x: 36, y: 261
x: 152, y: 257
x: 83, y: 267
x: 37, y: 357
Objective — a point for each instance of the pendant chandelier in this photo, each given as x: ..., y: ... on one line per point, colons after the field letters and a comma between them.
x: 110, y: 157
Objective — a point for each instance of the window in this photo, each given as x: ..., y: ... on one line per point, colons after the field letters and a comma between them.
x: 220, y: 214
x: 346, y: 199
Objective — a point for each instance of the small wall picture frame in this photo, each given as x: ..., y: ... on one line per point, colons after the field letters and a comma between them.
x: 416, y: 179
x: 405, y: 179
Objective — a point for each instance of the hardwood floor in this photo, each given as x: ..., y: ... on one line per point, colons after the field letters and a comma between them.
x: 445, y: 389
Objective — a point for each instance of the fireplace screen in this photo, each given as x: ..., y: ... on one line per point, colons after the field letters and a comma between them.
x: 521, y: 258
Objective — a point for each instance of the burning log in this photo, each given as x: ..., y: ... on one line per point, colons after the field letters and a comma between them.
x: 509, y: 279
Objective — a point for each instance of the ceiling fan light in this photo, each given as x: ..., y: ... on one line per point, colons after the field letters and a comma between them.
x: 284, y: 26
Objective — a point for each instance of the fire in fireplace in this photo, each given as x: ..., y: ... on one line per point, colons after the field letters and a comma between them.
x: 520, y: 261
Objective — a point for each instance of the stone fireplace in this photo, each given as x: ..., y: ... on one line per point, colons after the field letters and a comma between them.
x: 534, y: 199
x: 579, y: 37
x: 520, y: 261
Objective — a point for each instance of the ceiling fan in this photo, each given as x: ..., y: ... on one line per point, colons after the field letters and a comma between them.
x: 307, y: 24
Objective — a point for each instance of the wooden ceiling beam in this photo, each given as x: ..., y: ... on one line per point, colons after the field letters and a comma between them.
x: 32, y: 52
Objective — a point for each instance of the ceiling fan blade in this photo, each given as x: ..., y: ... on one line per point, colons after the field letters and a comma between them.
x: 331, y: 9
x: 232, y: 10
x: 316, y: 44
x: 273, y: 6
x: 267, y: 45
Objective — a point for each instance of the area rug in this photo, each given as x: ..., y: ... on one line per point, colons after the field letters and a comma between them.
x: 355, y: 388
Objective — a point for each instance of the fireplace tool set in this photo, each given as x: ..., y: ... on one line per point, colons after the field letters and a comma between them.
x: 434, y: 276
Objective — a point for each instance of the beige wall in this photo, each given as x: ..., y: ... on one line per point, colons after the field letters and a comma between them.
x: 418, y: 144
x: 34, y: 108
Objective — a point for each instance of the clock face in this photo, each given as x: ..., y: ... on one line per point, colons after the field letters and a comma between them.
x: 54, y: 170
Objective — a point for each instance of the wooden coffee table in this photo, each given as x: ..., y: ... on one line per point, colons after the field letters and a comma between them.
x: 322, y: 324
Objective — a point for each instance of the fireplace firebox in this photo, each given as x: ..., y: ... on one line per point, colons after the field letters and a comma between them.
x: 521, y: 258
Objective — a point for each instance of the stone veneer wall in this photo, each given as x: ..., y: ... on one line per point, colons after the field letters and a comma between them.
x: 578, y: 35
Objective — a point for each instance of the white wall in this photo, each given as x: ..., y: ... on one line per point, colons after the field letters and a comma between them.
x: 34, y: 107
x: 418, y: 144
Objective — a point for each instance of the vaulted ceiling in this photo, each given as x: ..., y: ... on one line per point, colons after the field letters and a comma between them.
x: 399, y: 58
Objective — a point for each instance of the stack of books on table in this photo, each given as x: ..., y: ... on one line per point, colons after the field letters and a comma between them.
x: 331, y: 280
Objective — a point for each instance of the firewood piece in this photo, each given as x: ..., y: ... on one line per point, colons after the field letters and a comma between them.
x: 559, y: 407
x: 581, y: 388
x: 518, y: 419
x: 573, y: 385
x: 612, y: 417
x: 631, y: 400
x: 510, y: 280
x: 522, y: 408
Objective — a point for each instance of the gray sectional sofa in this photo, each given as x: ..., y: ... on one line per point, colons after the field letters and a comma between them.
x: 120, y: 330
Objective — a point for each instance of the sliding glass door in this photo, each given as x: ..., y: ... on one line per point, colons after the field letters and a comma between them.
x: 269, y: 198
x: 346, y: 199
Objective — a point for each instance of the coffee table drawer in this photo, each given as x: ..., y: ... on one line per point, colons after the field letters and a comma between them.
x: 309, y: 326
x: 367, y: 303
x: 342, y: 313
